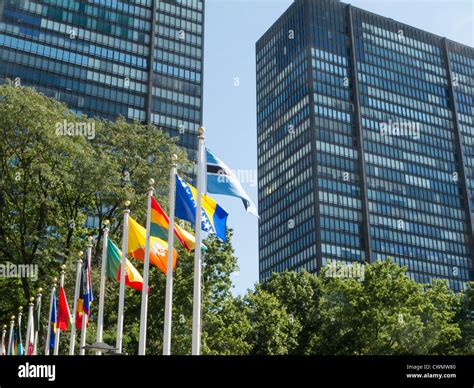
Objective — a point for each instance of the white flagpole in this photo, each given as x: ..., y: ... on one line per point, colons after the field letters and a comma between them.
x: 123, y: 267
x: 4, y: 334
x: 72, y: 339
x: 58, y: 331
x: 38, y: 311
x: 169, y: 274
x: 146, y: 273
x: 85, y: 317
x: 30, y: 328
x: 10, y: 337
x: 20, y: 340
x: 100, y: 321
x: 196, y: 336
x: 48, y: 334
x: 28, y: 322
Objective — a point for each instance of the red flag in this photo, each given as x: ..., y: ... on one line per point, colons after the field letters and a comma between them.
x: 64, y: 315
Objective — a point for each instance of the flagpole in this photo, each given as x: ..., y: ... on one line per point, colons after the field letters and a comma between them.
x: 169, y: 274
x: 196, y: 336
x: 38, y: 304
x: 30, y: 328
x: 72, y: 340
x: 146, y: 273
x: 48, y: 335
x: 28, y: 322
x: 123, y: 266
x: 20, y: 340
x: 10, y: 337
x: 85, y: 317
x: 58, y: 330
x: 100, y: 322
x: 4, y: 334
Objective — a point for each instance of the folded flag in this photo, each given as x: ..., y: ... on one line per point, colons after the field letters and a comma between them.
x: 53, y: 322
x: 221, y: 180
x: 133, y: 278
x: 64, y: 314
x: 20, y: 340
x: 160, y: 223
x: 158, y: 247
x: 4, y: 345
x: 85, y: 294
x: 214, y: 217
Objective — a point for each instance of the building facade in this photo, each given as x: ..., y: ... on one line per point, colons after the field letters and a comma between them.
x: 140, y: 59
x: 365, y: 132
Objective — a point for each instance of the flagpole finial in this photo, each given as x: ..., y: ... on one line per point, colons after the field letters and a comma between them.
x: 89, y: 241
x: 151, y: 181
x: 20, y: 310
x: 174, y: 159
x: 32, y: 301
x: 4, y: 327
x: 106, y: 223
x: 55, y: 280
x: 201, y: 131
x: 40, y: 291
x: 63, y: 268
x: 12, y: 319
x: 127, y: 203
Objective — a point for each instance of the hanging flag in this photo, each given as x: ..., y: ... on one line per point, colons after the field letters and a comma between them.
x: 158, y: 247
x: 214, y: 217
x: 160, y: 224
x: 20, y: 340
x: 64, y: 314
x: 53, y: 320
x: 4, y: 344
x: 222, y: 180
x: 30, y: 331
x: 133, y: 278
x: 14, y: 346
x: 85, y: 294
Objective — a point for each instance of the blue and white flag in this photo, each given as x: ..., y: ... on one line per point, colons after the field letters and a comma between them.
x: 221, y: 180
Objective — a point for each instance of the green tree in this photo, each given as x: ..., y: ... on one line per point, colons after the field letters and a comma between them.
x: 50, y: 183
x: 386, y: 313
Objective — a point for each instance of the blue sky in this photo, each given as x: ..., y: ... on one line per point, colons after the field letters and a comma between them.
x: 232, y: 28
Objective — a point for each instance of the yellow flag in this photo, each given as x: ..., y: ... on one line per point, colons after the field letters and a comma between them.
x: 158, y: 247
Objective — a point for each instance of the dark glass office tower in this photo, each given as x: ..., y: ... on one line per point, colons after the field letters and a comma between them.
x: 141, y: 59
x: 365, y: 144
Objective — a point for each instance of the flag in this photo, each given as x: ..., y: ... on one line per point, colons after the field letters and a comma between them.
x: 214, y: 218
x: 133, y: 278
x: 160, y: 224
x: 158, y: 247
x: 85, y: 294
x: 20, y: 340
x: 64, y: 314
x: 30, y: 332
x: 221, y: 180
x: 14, y: 347
x: 3, y: 349
x: 53, y: 320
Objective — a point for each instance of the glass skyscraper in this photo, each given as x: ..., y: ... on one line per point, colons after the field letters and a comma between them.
x: 141, y: 59
x: 365, y: 133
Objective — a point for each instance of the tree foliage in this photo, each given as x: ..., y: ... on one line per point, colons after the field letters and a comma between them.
x: 50, y: 184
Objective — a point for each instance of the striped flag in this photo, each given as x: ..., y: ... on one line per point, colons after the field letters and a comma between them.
x: 85, y: 297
